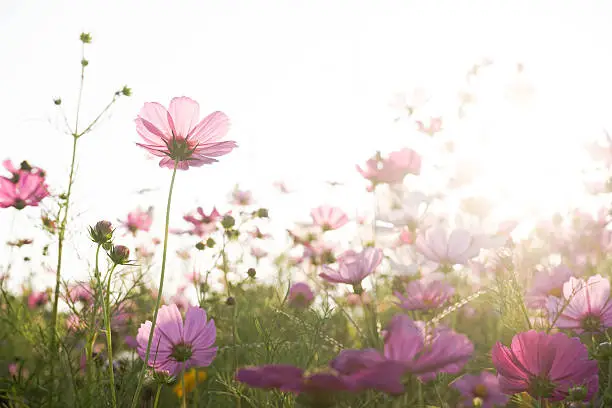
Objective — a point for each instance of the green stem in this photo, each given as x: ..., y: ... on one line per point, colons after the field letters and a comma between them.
x: 159, y: 387
x: 161, y: 288
x: 91, y: 330
x: 109, y: 339
x: 184, y: 404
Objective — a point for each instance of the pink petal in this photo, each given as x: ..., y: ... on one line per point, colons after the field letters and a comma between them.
x: 157, y: 115
x: 212, y: 128
x: 170, y: 323
x: 185, y: 113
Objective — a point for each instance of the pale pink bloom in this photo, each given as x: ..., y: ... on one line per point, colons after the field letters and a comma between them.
x: 181, y: 301
x: 139, y: 220
x: 483, y: 387
x: 456, y: 247
x: 257, y: 234
x: 29, y: 190
x: 177, y: 346
x: 74, y: 323
x: 80, y: 292
x: 393, y: 169
x: 319, y: 252
x: 300, y: 295
x: 194, y: 277
x: 183, y: 254
x: 424, y: 294
x: 328, y: 218
x: 434, y: 126
x: 203, y: 224
x: 409, y: 212
x: 176, y: 134
x: 37, y: 299
x: 258, y: 253
x: 588, y: 305
x: 426, y: 351
x: 545, y: 366
x: 241, y: 197
x: 353, y: 299
x: 547, y: 282
x: 144, y: 254
x: 353, y: 266
x: 406, y: 237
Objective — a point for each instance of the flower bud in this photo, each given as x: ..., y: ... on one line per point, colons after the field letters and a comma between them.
x: 119, y: 254
x: 101, y: 233
x: 252, y: 272
x: 578, y: 393
x: 84, y: 62
x: 57, y: 101
x: 200, y: 246
x: 262, y: 213
x: 210, y: 243
x: 228, y: 222
x: 125, y: 91
x: 230, y: 301
x: 85, y: 38
x: 604, y: 350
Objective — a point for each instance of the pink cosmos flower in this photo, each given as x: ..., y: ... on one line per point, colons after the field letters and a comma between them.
x: 393, y: 169
x: 203, y: 224
x: 175, y: 346
x: 426, y: 351
x: 257, y: 234
x: 353, y: 266
x: 328, y: 218
x: 74, y: 323
x: 17, y: 370
x: 425, y: 295
x: 300, y: 295
x: 456, y: 247
x: 545, y: 366
x: 588, y: 305
x: 241, y: 197
x: 139, y: 220
x: 483, y: 387
x: 319, y: 252
x: 80, y: 292
x: 435, y: 125
x: 181, y: 301
x: 176, y: 134
x: 28, y: 190
x: 548, y: 282
x: 37, y: 299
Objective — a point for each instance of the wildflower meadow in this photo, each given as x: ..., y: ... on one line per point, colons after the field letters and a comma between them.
x: 424, y: 294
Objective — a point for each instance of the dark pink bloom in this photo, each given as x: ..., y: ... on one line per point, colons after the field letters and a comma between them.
x: 353, y: 266
x: 176, y: 134
x: 435, y: 125
x: 80, y: 292
x: 203, y: 224
x: 29, y: 190
x: 131, y: 342
x: 588, y: 305
x: 37, y: 299
x: 456, y: 247
x: 483, y: 387
x: 300, y: 295
x: 328, y: 218
x: 547, y: 282
x: 286, y: 378
x: 175, y: 346
x: 139, y: 220
x: 545, y: 366
x: 425, y: 295
x: 426, y: 351
x: 392, y: 169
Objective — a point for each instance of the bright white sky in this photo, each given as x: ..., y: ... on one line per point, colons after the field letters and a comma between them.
x: 306, y: 84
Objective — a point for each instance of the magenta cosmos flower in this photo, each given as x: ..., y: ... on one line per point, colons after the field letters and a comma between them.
x: 393, y: 169
x: 27, y: 190
x: 353, y: 266
x: 300, y: 295
x: 177, y: 134
x: 177, y: 346
x: 424, y: 295
x: 482, y: 389
x: 426, y: 351
x: 37, y: 299
x: 588, y: 305
x: 548, y: 282
x: 545, y: 366
x: 203, y: 224
x: 456, y: 247
x: 328, y: 218
x: 139, y: 220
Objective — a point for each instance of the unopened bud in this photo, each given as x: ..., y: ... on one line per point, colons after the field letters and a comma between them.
x: 85, y: 38
x: 57, y: 101
x: 84, y: 62
x: 262, y: 213
x: 210, y: 243
x: 125, y: 91
x: 252, y: 272
x: 101, y: 233
x: 200, y: 246
x: 119, y: 254
x: 228, y: 222
x: 578, y: 393
x: 230, y: 301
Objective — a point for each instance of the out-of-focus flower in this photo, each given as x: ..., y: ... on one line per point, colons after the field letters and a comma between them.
x: 300, y: 295
x: 456, y: 247
x: 407, y: 210
x: 585, y: 305
x: 37, y: 299
x: 353, y: 266
x: 480, y: 390
x: 328, y: 218
x: 139, y: 220
x: 547, y: 282
x: 434, y: 126
x: 392, y: 169
x: 425, y: 295
x: 177, y: 346
x: 74, y: 323
x: 16, y: 370
x: 257, y: 234
x: 282, y: 187
x: 176, y: 134
x: 191, y: 378
x: 80, y: 292
x: 258, y: 252
x: 545, y: 366
x: 203, y: 224
x: 241, y: 197
x: 29, y: 190
x: 181, y: 301
x: 131, y: 342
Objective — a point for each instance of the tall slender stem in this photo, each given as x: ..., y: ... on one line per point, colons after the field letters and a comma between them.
x: 161, y: 288
x: 109, y: 340
x: 157, y: 396
x: 184, y: 404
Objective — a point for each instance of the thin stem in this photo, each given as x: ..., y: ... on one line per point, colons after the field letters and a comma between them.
x: 159, y: 387
x: 161, y: 288
x: 109, y: 340
x: 92, y: 332
x: 184, y: 405
x: 76, y: 125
